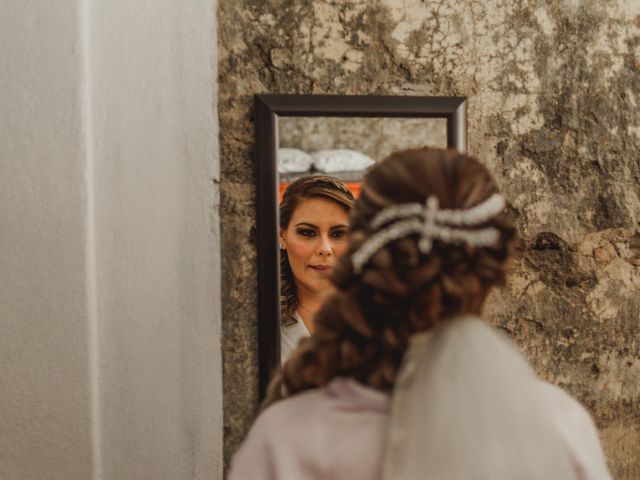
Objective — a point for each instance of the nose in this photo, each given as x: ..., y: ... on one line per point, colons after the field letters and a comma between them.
x: 325, y: 248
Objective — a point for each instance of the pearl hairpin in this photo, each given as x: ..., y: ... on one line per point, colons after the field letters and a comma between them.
x: 431, y: 224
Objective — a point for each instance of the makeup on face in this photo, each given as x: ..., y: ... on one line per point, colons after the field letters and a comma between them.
x: 316, y: 235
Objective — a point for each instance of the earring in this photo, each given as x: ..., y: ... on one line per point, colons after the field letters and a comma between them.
x: 282, y: 247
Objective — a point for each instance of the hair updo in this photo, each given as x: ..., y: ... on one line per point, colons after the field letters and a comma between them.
x: 363, y: 329
x: 309, y: 186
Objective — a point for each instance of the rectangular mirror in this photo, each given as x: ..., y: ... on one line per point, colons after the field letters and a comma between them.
x: 338, y: 136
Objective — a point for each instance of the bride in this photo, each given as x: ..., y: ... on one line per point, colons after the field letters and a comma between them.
x: 402, y: 379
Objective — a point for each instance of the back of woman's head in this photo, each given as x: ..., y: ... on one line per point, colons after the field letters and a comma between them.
x: 399, y: 281
x: 400, y: 287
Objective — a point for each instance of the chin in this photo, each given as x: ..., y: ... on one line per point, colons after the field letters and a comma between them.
x: 324, y: 285
x: 318, y: 285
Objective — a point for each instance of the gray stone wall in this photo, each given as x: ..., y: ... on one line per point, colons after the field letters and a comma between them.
x: 553, y: 92
x: 375, y: 137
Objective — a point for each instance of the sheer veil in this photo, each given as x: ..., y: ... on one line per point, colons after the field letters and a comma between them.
x: 467, y: 406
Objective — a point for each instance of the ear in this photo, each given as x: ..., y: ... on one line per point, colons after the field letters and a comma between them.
x: 283, y: 239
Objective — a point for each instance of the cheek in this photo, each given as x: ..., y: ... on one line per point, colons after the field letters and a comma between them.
x: 339, y: 248
x: 299, y: 252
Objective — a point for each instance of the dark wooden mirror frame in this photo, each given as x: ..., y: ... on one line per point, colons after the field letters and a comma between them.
x: 267, y: 108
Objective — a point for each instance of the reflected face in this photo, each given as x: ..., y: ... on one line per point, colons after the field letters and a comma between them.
x: 316, y: 235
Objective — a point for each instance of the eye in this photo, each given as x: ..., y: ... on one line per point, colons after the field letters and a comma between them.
x: 306, y: 232
x: 339, y: 233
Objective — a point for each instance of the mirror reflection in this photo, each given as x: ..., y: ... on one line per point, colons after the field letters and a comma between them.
x: 321, y: 161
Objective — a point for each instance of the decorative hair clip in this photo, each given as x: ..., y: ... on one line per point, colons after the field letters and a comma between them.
x: 432, y: 224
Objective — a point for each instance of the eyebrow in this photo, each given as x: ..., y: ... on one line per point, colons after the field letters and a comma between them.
x: 311, y: 225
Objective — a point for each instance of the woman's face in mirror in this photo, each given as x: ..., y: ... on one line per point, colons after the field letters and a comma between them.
x: 316, y: 235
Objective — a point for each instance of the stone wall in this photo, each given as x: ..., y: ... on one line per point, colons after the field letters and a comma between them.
x: 553, y: 89
x: 375, y: 137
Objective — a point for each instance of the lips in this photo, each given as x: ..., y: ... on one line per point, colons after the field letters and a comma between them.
x: 324, y: 270
x: 320, y: 267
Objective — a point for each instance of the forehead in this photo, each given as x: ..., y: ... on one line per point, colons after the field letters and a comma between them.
x: 319, y: 211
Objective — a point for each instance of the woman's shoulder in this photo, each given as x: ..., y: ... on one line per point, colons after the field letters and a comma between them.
x: 299, y: 412
x: 340, y: 394
x: 275, y: 437
x: 307, y: 434
x: 295, y: 407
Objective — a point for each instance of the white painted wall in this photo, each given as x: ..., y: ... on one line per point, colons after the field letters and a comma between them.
x: 109, y: 265
x: 45, y: 407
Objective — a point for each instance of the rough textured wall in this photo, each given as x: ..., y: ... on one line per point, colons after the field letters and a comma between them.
x: 375, y: 137
x: 553, y: 90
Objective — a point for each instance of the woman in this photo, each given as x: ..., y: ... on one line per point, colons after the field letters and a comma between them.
x: 401, y: 378
x: 314, y: 216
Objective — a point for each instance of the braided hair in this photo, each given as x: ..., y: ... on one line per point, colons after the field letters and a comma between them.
x: 364, y: 327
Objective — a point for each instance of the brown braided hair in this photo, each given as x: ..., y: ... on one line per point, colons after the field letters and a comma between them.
x: 309, y: 186
x: 363, y: 329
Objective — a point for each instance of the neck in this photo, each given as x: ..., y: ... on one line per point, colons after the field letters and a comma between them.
x: 309, y: 303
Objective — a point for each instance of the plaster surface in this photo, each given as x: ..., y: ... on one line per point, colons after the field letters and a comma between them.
x: 155, y: 188
x: 553, y: 91
x: 45, y: 400
x: 110, y: 361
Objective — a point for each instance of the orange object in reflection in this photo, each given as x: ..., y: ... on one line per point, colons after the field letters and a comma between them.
x: 353, y: 186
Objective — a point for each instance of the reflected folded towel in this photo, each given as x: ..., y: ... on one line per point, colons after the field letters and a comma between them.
x: 341, y: 160
x: 293, y: 160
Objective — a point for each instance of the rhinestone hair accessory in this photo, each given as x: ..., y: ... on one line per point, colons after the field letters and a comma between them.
x: 432, y: 224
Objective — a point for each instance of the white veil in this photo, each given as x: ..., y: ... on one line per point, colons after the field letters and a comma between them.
x: 466, y: 406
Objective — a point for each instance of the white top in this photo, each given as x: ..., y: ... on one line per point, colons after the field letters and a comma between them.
x: 290, y: 335
x: 339, y: 432
x: 464, y: 400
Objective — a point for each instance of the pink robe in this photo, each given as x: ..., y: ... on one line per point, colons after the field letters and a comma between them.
x: 339, y: 432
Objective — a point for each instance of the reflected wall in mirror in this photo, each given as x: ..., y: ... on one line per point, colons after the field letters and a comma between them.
x: 344, y: 147
x: 300, y: 140
x: 377, y: 137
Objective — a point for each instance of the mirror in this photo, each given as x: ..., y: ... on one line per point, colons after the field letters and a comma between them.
x: 339, y: 136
